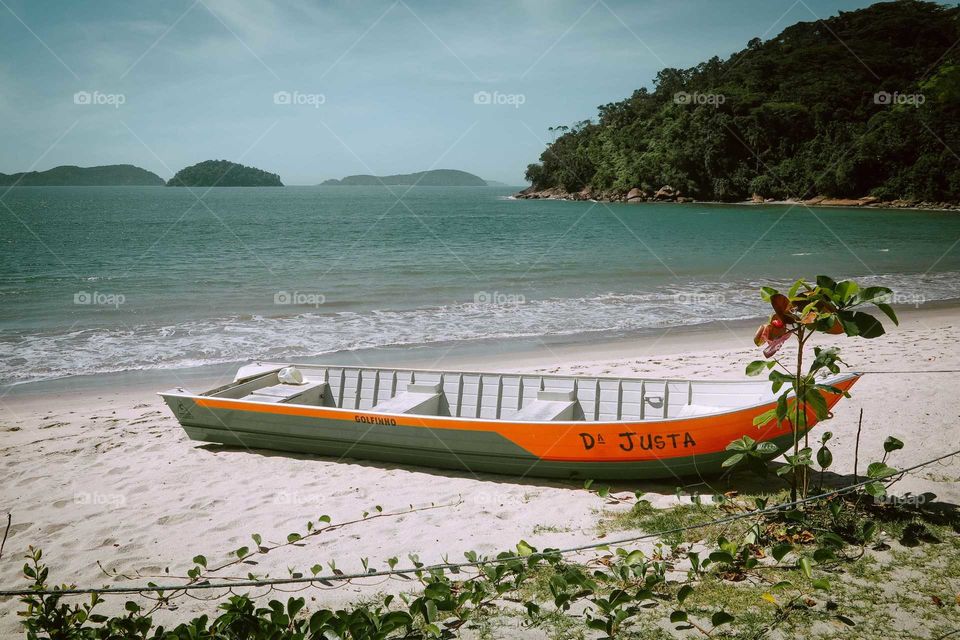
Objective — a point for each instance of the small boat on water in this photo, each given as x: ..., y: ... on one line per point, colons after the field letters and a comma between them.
x: 510, y: 423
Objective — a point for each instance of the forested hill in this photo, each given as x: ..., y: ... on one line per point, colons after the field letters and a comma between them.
x: 223, y: 173
x: 863, y: 103
x: 70, y: 175
x: 431, y: 178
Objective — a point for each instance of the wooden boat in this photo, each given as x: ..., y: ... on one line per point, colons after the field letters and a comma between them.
x: 519, y: 424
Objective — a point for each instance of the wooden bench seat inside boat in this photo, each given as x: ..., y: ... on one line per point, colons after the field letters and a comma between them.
x: 312, y: 392
x: 423, y: 399
x: 550, y: 406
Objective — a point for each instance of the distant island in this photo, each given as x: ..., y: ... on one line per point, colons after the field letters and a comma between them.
x: 861, y: 109
x: 73, y: 176
x: 223, y: 173
x: 432, y: 178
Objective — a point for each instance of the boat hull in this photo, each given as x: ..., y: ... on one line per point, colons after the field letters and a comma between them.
x: 671, y: 448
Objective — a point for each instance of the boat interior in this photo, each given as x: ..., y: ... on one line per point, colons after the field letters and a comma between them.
x: 508, y: 396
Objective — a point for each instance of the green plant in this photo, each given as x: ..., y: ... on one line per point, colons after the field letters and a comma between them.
x: 828, y: 307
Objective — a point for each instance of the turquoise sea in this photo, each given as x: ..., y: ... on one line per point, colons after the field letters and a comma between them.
x: 125, y: 278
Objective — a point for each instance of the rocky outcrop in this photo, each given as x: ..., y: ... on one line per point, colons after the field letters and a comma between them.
x: 839, y: 202
x: 666, y: 193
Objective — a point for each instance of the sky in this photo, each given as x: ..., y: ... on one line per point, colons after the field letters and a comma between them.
x: 317, y: 90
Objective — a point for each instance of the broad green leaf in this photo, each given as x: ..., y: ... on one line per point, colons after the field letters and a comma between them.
x: 892, y: 444
x: 678, y: 616
x: 766, y: 448
x: 685, y: 591
x: 780, y: 551
x: 824, y: 458
x: 733, y: 460
x: 795, y: 289
x: 826, y: 282
x: 867, y: 325
x: 721, y: 617
x: 743, y: 443
x: 783, y: 407
x: 875, y: 489
x: 764, y: 418
x: 888, y: 310
x: 878, y: 470
x: 805, y: 566
x: 818, y: 403
x: 756, y: 367
x: 846, y: 290
x: 849, y: 326
x: 874, y: 295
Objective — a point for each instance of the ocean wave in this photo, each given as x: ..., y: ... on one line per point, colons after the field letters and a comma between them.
x: 45, y: 354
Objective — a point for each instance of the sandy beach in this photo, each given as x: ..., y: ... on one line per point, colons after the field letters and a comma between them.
x: 102, y: 478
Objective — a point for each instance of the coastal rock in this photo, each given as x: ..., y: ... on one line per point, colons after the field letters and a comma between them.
x: 866, y: 201
x: 839, y: 202
x: 684, y: 199
x: 815, y: 200
x: 636, y: 194
x: 756, y: 198
x: 666, y: 192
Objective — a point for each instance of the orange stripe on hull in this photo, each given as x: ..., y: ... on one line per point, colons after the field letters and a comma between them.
x: 579, y: 441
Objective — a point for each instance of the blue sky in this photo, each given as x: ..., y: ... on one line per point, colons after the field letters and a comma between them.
x: 314, y: 90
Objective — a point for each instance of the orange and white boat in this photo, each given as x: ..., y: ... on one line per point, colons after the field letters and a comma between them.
x: 511, y: 423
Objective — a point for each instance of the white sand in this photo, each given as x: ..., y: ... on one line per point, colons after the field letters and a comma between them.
x: 111, y: 477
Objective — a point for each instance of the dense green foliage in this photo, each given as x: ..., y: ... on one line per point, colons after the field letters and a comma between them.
x: 802, y: 114
x: 766, y: 571
x: 69, y: 175
x: 432, y: 178
x: 223, y: 173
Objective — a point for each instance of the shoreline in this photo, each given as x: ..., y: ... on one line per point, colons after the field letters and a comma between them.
x: 484, y: 354
x: 672, y: 197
